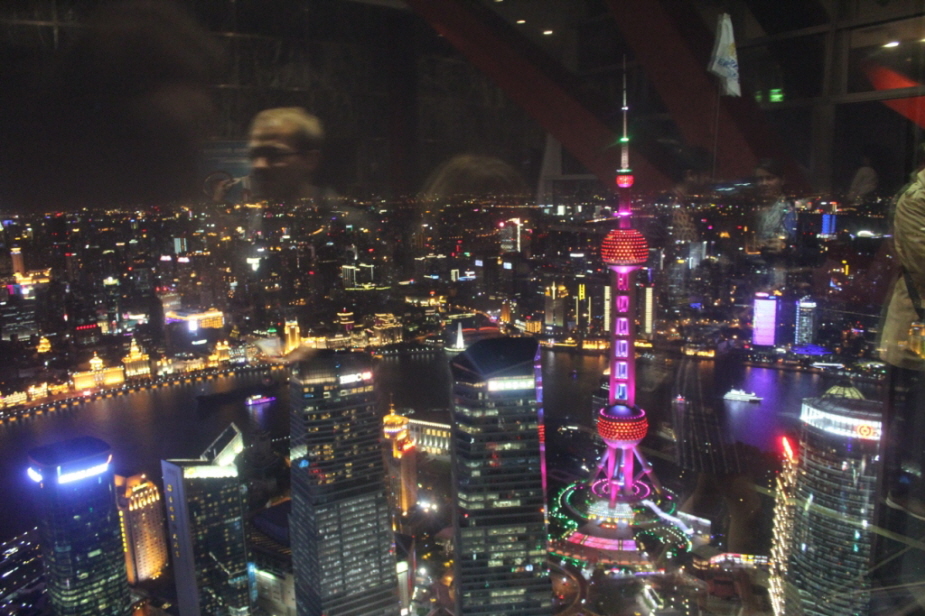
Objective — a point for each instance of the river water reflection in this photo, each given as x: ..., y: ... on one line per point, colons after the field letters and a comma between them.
x: 148, y: 426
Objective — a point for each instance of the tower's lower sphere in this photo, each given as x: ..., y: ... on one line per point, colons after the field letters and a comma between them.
x: 622, y: 426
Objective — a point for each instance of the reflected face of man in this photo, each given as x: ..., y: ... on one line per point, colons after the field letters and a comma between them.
x: 280, y: 169
x: 769, y: 185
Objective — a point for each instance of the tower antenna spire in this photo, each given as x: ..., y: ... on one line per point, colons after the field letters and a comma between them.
x: 624, y: 173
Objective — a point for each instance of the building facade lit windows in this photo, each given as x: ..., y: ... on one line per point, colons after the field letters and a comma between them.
x: 805, y: 322
x: 822, y: 528
x: 342, y: 541
x: 205, y: 523
x: 498, y: 482
x: 141, y: 515
x: 79, y: 528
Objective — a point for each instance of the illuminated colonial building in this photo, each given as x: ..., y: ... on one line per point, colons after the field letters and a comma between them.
x: 137, y: 364
x: 141, y: 515
x: 498, y: 480
x: 221, y: 354
x: 822, y: 536
x: 345, y: 320
x: 341, y: 534
x: 98, y: 375
x: 401, y: 463
x: 387, y: 329
x: 431, y: 437
x: 79, y: 528
x: 205, y: 521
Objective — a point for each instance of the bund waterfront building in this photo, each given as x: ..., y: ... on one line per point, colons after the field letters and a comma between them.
x: 498, y: 482
x: 79, y: 528
x: 205, y: 520
x: 827, y: 494
x: 141, y: 514
x: 342, y: 540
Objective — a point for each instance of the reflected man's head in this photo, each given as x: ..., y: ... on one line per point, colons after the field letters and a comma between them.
x: 769, y: 178
x: 285, y: 149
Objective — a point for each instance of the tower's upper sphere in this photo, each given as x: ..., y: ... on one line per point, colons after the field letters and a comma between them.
x: 625, y: 247
x: 621, y: 425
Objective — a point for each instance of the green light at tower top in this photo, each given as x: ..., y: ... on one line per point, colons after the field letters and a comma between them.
x: 624, y: 141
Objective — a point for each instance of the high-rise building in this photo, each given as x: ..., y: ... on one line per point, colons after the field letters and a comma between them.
x: 805, y: 321
x: 342, y: 540
x: 648, y: 311
x: 79, y: 528
x: 141, y: 515
x: 292, y: 335
x: 822, y: 539
x: 497, y: 464
x: 764, y: 320
x: 205, y: 519
x: 19, y: 266
x: 555, y: 305
x: 401, y: 463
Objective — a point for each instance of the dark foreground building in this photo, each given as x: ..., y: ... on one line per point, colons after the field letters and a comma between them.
x: 498, y: 480
x: 205, y: 517
x: 79, y: 528
x: 342, y: 541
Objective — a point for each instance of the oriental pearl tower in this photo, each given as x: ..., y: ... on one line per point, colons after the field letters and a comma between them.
x: 621, y: 424
x: 621, y: 518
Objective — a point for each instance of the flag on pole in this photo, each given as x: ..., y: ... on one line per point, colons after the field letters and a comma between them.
x: 723, y: 62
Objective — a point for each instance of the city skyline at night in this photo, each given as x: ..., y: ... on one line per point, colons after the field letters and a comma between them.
x: 393, y: 308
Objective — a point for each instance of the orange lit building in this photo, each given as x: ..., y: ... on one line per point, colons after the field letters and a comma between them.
x: 141, y: 515
x: 400, y: 462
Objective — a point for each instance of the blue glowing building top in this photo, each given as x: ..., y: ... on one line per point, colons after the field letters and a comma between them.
x: 79, y: 528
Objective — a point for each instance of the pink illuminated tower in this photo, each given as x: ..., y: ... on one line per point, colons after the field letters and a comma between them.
x: 621, y: 424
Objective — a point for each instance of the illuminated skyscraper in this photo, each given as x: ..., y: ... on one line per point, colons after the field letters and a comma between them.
x: 205, y: 519
x: 498, y: 480
x: 555, y: 305
x: 648, y: 312
x: 342, y: 540
x: 806, y: 321
x: 79, y: 528
x: 764, y: 320
x: 822, y: 527
x: 401, y: 463
x: 19, y: 266
x: 292, y: 335
x: 141, y: 514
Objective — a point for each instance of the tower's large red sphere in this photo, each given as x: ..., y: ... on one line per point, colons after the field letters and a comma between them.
x: 624, y: 247
x: 622, y: 425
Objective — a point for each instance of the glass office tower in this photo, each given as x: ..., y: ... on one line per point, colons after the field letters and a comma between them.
x: 823, y: 529
x: 79, y: 528
x: 498, y: 480
x: 342, y: 541
x: 205, y: 518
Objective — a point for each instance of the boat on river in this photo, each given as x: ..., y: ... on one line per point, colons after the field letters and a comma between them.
x: 740, y: 395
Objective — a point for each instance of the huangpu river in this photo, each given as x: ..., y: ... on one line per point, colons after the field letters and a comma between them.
x: 149, y: 425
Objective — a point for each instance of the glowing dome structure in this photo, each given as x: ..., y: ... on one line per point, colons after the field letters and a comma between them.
x: 625, y: 247
x: 621, y: 428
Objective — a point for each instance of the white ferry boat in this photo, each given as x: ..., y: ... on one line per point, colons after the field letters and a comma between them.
x: 739, y: 395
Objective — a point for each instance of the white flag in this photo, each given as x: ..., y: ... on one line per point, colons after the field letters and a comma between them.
x: 723, y: 62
